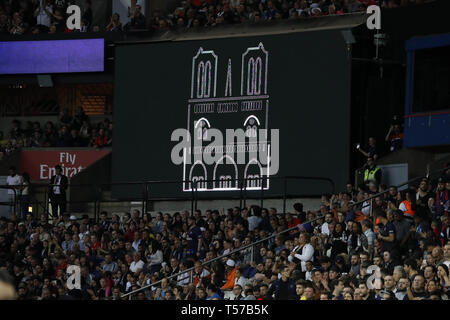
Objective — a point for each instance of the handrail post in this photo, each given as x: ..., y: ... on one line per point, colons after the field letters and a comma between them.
x: 194, y: 188
x: 193, y: 196
x: 15, y: 202
x: 371, y: 212
x: 144, y: 198
x: 245, y: 192
x: 262, y: 191
x: 97, y: 203
x: 240, y: 193
x: 284, y: 194
x: 46, y: 203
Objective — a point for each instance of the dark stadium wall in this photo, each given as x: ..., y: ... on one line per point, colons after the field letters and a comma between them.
x: 308, y: 89
x: 376, y: 96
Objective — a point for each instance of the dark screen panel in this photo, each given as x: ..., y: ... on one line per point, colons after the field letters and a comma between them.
x: 431, y: 79
x: 301, y: 87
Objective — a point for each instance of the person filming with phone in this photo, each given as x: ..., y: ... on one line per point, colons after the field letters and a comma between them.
x: 372, y: 150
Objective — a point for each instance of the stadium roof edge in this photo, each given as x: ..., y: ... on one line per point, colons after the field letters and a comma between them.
x: 345, y: 21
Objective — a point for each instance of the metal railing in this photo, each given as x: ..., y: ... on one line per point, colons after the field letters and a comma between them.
x: 427, y: 175
x: 15, y: 198
x: 252, y: 245
x: 371, y: 198
x: 96, y: 194
x: 99, y: 188
x: 243, y: 185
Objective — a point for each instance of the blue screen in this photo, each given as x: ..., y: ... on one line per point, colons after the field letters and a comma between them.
x: 55, y: 56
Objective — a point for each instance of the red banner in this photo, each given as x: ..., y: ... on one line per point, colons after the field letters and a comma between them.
x: 41, y: 164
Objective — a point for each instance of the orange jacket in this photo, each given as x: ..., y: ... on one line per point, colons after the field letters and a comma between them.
x: 231, y: 277
x: 359, y: 216
x: 409, y: 210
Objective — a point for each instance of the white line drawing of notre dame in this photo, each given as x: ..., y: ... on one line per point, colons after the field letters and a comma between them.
x: 249, y: 111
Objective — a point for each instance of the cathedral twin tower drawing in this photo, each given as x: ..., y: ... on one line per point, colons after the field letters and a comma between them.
x: 218, y: 106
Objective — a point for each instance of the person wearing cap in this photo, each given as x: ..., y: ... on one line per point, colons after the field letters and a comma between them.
x: 57, y: 192
x: 386, y: 295
x: 230, y: 276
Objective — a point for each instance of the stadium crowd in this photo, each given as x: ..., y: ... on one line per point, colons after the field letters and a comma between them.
x: 210, y: 13
x: 324, y: 254
x: 68, y: 131
x: 49, y: 16
x: 41, y: 16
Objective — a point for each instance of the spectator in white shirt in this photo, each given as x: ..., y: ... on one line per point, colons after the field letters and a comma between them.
x: 328, y: 220
x: 184, y: 278
x: 366, y: 226
x: 240, y: 279
x: 43, y: 14
x: 137, y: 265
x: 155, y: 257
x: 303, y: 252
x: 24, y: 194
x: 255, y: 219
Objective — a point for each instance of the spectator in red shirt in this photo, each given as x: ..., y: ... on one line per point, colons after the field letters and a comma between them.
x: 292, y: 222
x: 101, y: 140
x: 129, y: 235
x: 95, y: 244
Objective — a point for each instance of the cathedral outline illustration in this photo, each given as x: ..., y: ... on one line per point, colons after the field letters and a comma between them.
x: 214, y: 106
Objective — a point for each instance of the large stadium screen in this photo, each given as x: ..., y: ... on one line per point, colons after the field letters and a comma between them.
x: 214, y: 112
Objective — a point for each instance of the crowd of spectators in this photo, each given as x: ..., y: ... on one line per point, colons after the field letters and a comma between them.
x: 210, y: 13
x: 324, y: 254
x: 41, y: 16
x: 49, y: 16
x: 68, y: 131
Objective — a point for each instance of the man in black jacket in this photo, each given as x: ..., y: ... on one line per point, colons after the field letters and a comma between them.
x: 57, y: 192
x: 283, y: 288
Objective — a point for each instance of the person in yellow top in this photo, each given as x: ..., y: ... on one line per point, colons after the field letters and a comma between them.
x: 300, y: 289
x: 372, y: 172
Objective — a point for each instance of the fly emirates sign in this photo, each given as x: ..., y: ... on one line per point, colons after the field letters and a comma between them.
x: 41, y: 164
